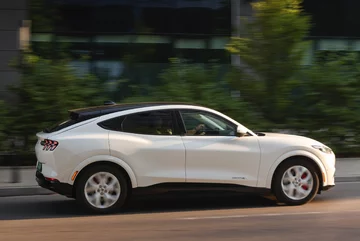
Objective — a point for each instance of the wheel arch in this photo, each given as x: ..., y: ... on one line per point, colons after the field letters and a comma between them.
x: 320, y: 169
x: 98, y: 160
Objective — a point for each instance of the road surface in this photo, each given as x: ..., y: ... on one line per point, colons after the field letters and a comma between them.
x: 334, y: 215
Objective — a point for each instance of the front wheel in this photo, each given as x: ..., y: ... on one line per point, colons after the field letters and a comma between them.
x: 102, y: 189
x: 296, y: 182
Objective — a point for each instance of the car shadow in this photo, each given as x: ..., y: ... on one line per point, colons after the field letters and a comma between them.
x: 56, y: 206
x: 187, y: 201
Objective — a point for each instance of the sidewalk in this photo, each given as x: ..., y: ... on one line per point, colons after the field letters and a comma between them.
x: 25, y: 185
x: 347, y: 170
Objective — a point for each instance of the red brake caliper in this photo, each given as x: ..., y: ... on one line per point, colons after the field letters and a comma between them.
x: 305, y: 187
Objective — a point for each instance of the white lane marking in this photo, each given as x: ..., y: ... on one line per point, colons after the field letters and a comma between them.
x: 264, y: 215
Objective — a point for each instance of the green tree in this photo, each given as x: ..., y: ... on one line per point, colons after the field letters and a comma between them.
x: 46, y: 91
x: 271, y: 51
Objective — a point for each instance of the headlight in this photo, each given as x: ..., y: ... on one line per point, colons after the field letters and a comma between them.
x: 324, y: 149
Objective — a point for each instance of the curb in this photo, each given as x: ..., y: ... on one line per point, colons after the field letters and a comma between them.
x: 36, y: 190
x: 17, y: 167
x: 24, y: 191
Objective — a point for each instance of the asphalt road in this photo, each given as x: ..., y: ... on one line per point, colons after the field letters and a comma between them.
x: 334, y: 215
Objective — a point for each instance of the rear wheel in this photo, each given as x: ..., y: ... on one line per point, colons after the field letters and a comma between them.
x: 102, y: 189
x: 296, y: 182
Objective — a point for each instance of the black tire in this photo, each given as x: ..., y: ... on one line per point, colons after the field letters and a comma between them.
x: 280, y: 194
x: 80, y: 193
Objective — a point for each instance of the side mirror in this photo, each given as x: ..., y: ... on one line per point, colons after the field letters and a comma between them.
x: 241, y: 131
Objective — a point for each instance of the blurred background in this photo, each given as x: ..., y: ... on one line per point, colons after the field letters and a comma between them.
x: 282, y: 65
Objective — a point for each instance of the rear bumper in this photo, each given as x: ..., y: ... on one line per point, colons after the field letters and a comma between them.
x: 55, y: 186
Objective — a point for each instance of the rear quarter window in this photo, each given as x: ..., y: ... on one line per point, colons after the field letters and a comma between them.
x: 113, y: 124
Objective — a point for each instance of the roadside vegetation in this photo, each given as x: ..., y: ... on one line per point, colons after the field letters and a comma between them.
x: 274, y: 90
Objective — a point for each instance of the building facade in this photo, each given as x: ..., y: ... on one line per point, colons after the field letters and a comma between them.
x: 134, y: 39
x: 12, y: 13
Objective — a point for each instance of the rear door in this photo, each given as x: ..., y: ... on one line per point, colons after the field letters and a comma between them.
x: 149, y: 142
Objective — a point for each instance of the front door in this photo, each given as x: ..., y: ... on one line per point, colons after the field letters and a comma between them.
x: 214, y: 154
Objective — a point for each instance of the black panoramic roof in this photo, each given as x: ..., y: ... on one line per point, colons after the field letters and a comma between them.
x: 82, y: 114
x: 95, y: 111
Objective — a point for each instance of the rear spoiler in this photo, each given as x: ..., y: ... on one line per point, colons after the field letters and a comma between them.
x: 77, y: 116
x: 87, y: 113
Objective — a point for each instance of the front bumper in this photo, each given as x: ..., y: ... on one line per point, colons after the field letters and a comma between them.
x: 329, y: 178
x: 54, y: 185
x: 328, y: 187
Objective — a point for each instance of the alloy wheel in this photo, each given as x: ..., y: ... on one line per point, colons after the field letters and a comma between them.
x: 102, y: 190
x: 297, y: 182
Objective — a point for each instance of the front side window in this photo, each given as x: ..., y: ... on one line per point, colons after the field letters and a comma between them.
x: 208, y: 124
x: 149, y: 123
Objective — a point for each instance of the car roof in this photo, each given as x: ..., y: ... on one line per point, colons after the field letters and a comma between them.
x: 95, y: 111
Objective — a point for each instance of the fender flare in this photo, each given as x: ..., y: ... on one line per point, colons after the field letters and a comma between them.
x: 283, y: 157
x: 107, y: 158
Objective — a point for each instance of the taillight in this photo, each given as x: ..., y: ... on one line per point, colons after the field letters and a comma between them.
x: 50, y: 179
x: 49, y: 145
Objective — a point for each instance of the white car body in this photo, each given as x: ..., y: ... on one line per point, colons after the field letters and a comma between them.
x: 150, y: 160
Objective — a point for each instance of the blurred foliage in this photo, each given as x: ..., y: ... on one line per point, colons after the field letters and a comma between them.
x: 203, y: 85
x: 271, y: 51
x: 276, y: 92
x: 327, y: 104
x: 320, y: 101
x: 47, y: 89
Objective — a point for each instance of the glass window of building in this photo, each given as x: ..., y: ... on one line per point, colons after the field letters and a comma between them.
x: 193, y: 17
x: 74, y: 15
x: 222, y: 17
x: 133, y: 39
x: 154, y: 17
x: 95, y: 16
x: 112, y: 16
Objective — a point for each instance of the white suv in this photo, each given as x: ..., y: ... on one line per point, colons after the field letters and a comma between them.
x: 103, y: 154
